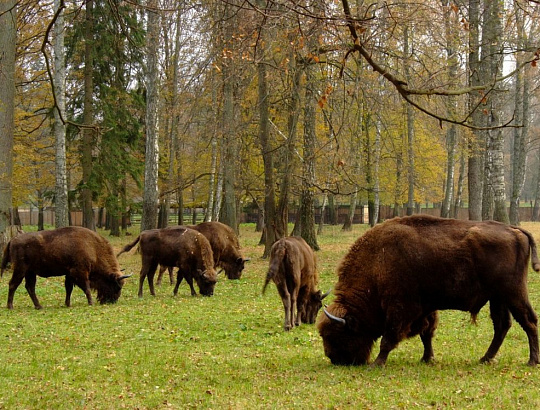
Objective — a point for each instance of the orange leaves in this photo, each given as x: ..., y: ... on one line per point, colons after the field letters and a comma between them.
x: 324, y: 97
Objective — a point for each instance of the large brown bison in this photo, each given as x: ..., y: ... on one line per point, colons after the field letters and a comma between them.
x: 398, y: 274
x: 293, y: 268
x: 178, y: 246
x: 85, y: 258
x: 225, y: 248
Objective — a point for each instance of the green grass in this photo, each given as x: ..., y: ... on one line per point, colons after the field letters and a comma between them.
x: 229, y: 351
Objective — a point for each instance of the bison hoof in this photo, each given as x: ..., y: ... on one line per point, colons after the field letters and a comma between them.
x: 486, y: 360
x: 38, y: 307
x: 533, y: 362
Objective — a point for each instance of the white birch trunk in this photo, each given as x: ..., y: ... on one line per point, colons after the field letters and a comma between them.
x: 61, y: 189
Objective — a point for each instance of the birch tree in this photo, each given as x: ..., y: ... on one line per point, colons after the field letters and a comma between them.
x: 8, y: 36
x: 61, y: 190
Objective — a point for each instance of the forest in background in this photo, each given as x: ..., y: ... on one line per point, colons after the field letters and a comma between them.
x: 158, y: 105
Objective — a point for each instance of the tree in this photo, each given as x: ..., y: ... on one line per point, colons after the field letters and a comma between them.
x: 61, y: 191
x: 150, y: 197
x: 522, y: 97
x: 8, y: 36
x: 88, y: 120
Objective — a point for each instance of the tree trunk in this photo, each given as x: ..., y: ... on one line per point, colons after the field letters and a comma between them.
x: 348, y: 224
x: 230, y: 139
x: 459, y: 192
x: 476, y: 143
x: 410, y: 128
x: 150, y: 195
x: 307, y: 207
x: 282, y: 214
x: 267, y: 154
x: 88, y: 119
x: 321, y: 220
x: 451, y: 25
x: 61, y: 208
x: 8, y: 38
x: 492, y: 29
x: 522, y: 117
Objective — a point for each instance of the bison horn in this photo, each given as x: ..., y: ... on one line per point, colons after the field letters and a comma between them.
x: 334, y: 318
x: 326, y: 294
x: 125, y: 276
x: 220, y: 272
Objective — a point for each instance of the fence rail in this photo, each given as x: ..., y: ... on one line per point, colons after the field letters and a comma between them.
x: 30, y: 216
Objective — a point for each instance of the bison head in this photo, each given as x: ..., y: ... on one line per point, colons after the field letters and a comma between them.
x: 343, y: 342
x: 234, y: 270
x: 109, y: 288
x: 206, y: 280
x: 312, y: 305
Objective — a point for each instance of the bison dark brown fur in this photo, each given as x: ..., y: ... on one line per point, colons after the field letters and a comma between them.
x: 225, y: 248
x: 85, y: 258
x: 398, y: 274
x: 293, y: 268
x: 179, y: 246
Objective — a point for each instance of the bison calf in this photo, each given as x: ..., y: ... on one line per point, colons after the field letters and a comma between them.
x: 293, y: 268
x: 398, y: 274
x: 178, y: 246
x: 85, y: 258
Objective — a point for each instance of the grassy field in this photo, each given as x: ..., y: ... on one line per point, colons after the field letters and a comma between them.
x: 230, y: 352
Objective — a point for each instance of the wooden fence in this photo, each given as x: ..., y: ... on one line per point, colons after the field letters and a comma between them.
x: 30, y: 216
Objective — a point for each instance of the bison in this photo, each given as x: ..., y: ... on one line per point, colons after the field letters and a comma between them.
x: 398, y: 274
x: 85, y: 258
x: 178, y: 246
x: 293, y: 268
x: 225, y: 248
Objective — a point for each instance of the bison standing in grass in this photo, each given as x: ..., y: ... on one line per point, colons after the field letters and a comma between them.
x: 225, y: 249
x: 85, y: 258
x: 293, y: 268
x: 398, y: 274
x: 181, y: 247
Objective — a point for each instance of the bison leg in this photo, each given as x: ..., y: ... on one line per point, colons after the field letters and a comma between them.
x: 399, y: 325
x: 189, y: 280
x: 160, y: 274
x: 287, y: 307
x: 14, y: 283
x: 426, y: 335
x: 30, y: 285
x: 162, y: 270
x: 171, y: 274
x: 68, y: 284
x: 179, y: 277
x: 148, y: 269
x: 526, y: 317
x: 500, y: 315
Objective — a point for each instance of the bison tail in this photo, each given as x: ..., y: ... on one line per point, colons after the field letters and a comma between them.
x: 534, y: 254
x: 277, y: 258
x: 6, y: 258
x: 129, y: 246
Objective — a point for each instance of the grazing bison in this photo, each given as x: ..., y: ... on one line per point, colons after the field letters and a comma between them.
x: 398, y: 274
x: 225, y: 248
x: 85, y: 258
x: 293, y: 268
x: 178, y: 246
